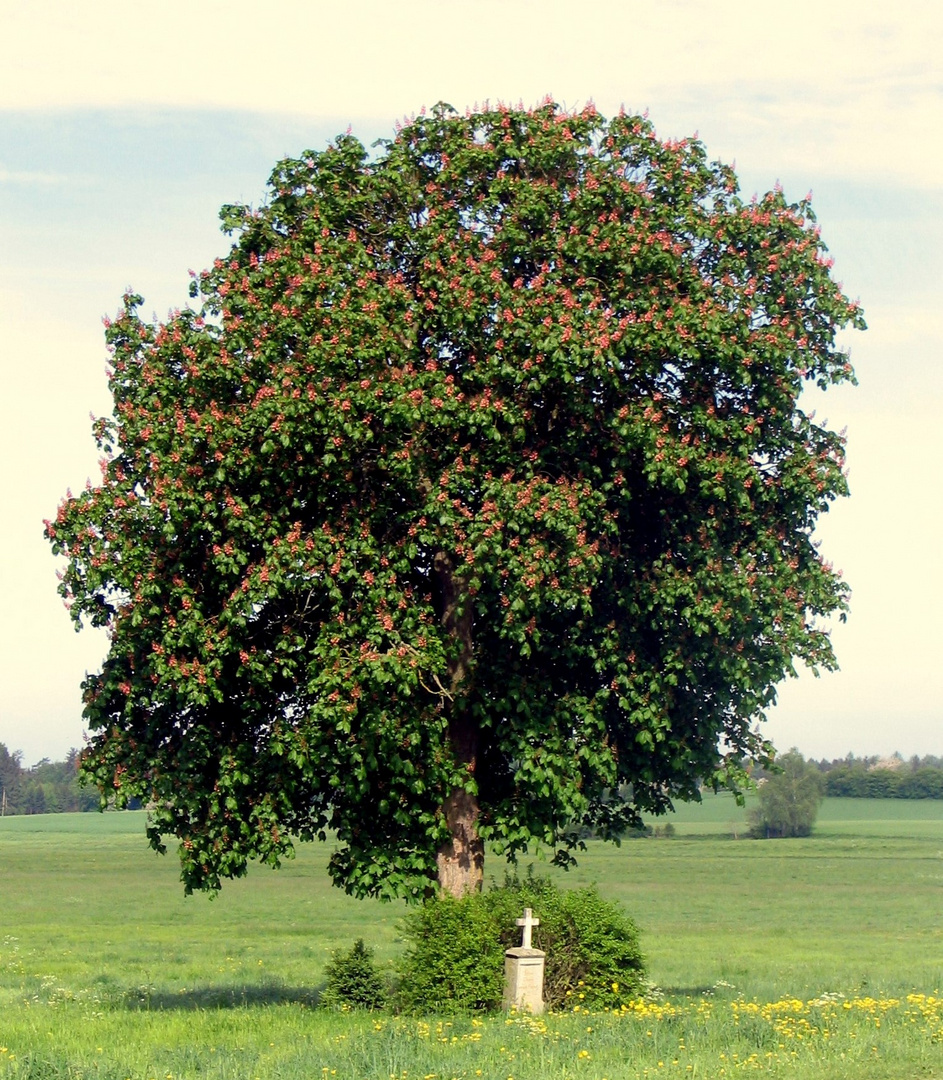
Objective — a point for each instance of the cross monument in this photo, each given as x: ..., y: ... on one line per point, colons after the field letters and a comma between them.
x: 527, y: 924
x: 524, y: 970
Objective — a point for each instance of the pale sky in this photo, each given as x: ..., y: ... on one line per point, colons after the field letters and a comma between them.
x: 124, y: 127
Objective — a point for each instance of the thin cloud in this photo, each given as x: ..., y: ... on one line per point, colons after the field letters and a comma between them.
x: 19, y: 176
x: 857, y: 88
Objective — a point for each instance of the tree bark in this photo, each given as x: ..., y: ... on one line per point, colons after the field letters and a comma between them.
x: 460, y: 861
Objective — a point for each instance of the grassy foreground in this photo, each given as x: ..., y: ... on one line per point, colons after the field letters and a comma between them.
x: 805, y: 958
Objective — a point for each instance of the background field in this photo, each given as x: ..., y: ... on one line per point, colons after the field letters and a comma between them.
x: 100, y: 949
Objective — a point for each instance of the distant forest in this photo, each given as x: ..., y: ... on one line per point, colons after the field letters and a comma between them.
x: 49, y: 787
x: 52, y: 787
x: 883, y: 778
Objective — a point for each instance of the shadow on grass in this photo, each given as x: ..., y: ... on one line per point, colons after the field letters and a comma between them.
x: 219, y: 997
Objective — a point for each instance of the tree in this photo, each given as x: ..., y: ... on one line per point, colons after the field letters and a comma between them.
x: 11, y: 771
x: 34, y: 798
x: 789, y: 800
x: 472, y: 486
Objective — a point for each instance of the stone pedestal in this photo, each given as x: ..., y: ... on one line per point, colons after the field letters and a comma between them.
x: 524, y: 980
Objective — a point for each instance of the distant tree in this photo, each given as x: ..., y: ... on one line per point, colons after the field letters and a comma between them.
x: 34, y: 798
x: 925, y: 783
x: 474, y: 485
x: 847, y: 781
x: 789, y: 800
x: 56, y: 781
x: 11, y: 772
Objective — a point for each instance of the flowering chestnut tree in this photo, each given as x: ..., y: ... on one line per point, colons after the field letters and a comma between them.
x: 469, y: 502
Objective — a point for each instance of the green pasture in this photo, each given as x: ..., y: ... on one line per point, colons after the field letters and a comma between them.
x: 108, y: 971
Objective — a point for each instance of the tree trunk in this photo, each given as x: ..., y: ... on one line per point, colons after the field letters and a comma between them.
x: 460, y: 860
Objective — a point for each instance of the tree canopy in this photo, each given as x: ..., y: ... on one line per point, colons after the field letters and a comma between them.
x: 469, y: 501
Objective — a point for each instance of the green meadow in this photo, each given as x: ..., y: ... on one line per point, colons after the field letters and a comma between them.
x: 820, y: 957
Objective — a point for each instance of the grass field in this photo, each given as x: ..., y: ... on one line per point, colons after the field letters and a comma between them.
x: 801, y: 958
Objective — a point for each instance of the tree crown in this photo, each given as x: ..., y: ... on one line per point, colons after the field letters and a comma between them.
x: 477, y: 464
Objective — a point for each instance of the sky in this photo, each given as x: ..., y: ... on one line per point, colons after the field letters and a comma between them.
x: 124, y: 128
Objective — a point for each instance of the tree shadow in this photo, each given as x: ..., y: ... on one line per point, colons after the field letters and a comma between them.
x: 191, y: 999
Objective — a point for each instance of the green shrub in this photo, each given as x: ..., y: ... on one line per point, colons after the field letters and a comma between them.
x: 353, y: 981
x: 455, y: 957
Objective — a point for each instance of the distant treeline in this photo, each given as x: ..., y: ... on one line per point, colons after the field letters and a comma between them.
x: 883, y: 778
x: 877, y: 778
x: 49, y: 787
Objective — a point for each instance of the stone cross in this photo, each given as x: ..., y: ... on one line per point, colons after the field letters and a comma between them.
x: 527, y: 924
x: 524, y: 971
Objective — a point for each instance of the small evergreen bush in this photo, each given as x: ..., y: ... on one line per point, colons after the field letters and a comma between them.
x: 455, y: 957
x: 353, y: 981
